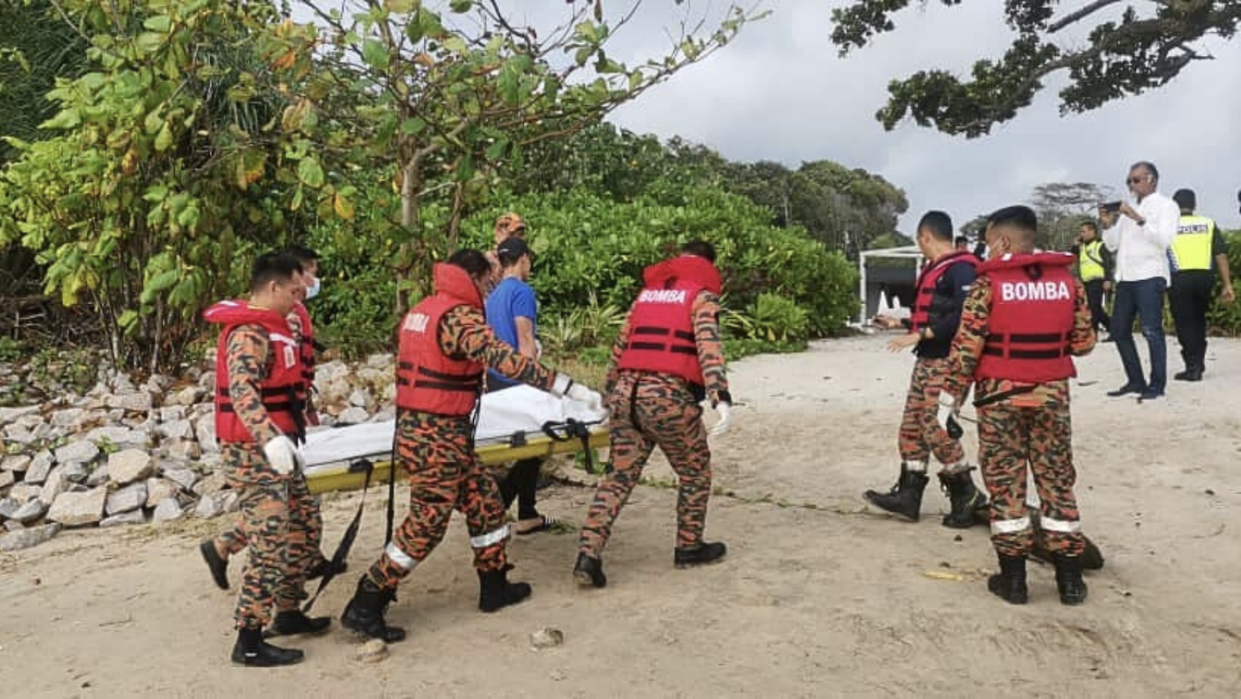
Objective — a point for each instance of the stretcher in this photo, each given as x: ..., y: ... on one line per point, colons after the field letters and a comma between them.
x: 516, y: 423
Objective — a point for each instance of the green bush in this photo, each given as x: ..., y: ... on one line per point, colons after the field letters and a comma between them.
x: 1225, y: 319
x: 588, y: 247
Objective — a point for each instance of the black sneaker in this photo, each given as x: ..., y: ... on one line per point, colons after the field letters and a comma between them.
x: 699, y: 555
x: 1126, y: 390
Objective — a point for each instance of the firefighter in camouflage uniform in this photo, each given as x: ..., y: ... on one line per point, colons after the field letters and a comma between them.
x: 667, y: 359
x: 1024, y: 321
x: 445, y: 346
x: 259, y: 418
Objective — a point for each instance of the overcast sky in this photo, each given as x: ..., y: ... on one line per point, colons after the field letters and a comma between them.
x: 781, y: 93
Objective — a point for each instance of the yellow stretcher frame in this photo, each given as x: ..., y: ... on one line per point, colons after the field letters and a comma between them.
x: 351, y: 476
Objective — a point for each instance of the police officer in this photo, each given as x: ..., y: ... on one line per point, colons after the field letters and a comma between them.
x: 216, y: 552
x: 1197, y: 251
x: 667, y: 358
x: 258, y: 422
x: 941, y: 289
x: 445, y: 346
x: 1094, y: 266
x: 1023, y: 322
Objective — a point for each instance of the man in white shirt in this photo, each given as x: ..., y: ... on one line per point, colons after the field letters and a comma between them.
x: 1139, y: 234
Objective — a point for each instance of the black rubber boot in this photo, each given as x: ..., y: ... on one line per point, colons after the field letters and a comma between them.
x: 217, y: 565
x: 365, y: 612
x: 1010, y: 583
x: 699, y: 555
x: 1069, y: 579
x: 495, y: 591
x: 966, y: 499
x: 1091, y: 558
x: 294, y: 622
x: 905, y: 498
x: 252, y: 651
x: 588, y: 571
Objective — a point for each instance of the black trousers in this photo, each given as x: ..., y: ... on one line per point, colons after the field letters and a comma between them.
x: 1094, y: 295
x: 1190, y: 299
x: 520, y: 484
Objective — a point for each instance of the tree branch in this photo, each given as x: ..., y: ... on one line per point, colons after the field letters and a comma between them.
x: 1079, y: 15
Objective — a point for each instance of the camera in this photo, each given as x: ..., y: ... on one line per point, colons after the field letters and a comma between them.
x: 1110, y: 207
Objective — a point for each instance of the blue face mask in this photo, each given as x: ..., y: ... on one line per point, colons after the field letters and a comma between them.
x: 312, y: 290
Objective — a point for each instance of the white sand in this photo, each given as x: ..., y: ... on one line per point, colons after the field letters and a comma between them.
x: 810, y: 602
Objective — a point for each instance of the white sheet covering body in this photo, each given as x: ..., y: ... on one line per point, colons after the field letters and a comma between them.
x: 518, y: 409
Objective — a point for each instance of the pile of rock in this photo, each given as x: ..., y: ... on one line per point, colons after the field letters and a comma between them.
x: 124, y: 454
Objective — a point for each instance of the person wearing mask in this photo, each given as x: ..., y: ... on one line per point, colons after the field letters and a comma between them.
x: 1140, y: 234
x: 258, y: 420
x: 941, y: 289
x: 217, y: 552
x: 1196, y: 253
x: 1024, y: 320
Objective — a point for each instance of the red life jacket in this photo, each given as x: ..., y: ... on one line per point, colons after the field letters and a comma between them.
x: 306, y: 347
x: 928, y: 278
x: 306, y: 343
x: 426, y: 379
x: 1032, y: 307
x: 661, y: 325
x: 280, y: 391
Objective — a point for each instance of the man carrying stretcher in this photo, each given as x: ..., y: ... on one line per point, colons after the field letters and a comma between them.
x: 445, y: 346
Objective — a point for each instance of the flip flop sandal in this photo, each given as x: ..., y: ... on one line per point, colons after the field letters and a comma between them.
x: 548, y: 523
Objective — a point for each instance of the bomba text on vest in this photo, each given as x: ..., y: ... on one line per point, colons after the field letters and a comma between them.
x: 417, y: 322
x: 662, y: 296
x: 1034, y: 291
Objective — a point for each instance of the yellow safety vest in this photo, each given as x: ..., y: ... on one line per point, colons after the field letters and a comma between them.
x: 1191, y: 249
x: 1090, y: 261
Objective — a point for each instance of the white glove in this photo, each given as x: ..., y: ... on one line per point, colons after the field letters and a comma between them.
x: 566, y: 387
x: 282, y: 454
x: 949, y: 415
x: 587, y: 395
x: 725, y: 410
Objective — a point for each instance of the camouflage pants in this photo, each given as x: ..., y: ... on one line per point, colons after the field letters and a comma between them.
x: 233, y: 540
x: 444, y: 475
x: 649, y: 410
x: 276, y: 515
x: 1011, y: 437
x: 921, y: 434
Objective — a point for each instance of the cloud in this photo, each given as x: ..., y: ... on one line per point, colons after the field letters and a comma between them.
x: 781, y: 93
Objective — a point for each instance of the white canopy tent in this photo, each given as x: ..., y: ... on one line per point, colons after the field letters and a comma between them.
x: 910, y: 252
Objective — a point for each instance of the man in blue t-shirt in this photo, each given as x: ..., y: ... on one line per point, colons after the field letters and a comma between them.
x: 512, y: 312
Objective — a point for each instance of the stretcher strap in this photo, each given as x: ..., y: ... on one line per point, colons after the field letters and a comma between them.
x: 351, y: 532
x: 573, y: 429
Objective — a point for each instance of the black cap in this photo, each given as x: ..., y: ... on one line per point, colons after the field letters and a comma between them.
x: 1185, y: 199
x: 511, y: 250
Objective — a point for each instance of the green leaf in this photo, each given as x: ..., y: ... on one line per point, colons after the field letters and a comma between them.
x: 164, y: 140
x: 158, y: 23
x: 310, y: 173
x: 127, y: 319
x: 149, y: 42
x: 65, y: 119
x: 413, y: 126
x: 460, y: 5
x: 375, y: 53
x: 455, y: 44
x: 402, y: 6
x: 496, y: 150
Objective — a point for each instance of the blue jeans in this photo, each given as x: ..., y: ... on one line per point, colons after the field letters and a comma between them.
x: 1145, y: 298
